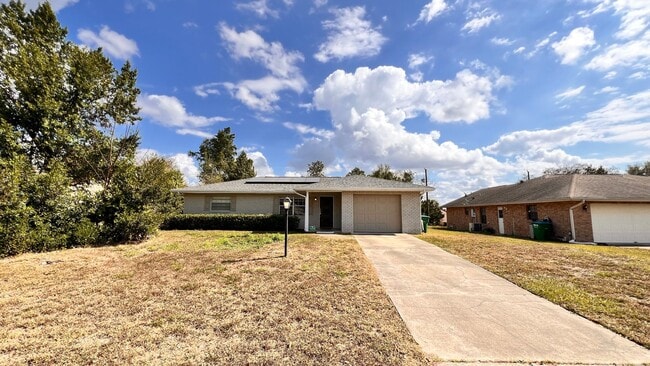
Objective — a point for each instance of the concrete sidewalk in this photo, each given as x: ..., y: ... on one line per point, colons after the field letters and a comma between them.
x: 458, y: 311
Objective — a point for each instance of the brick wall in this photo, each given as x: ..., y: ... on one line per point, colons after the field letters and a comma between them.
x: 516, y: 222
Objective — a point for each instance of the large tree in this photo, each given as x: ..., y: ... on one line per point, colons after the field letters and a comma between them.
x: 355, y: 171
x: 218, y: 159
x: 639, y: 169
x: 316, y: 168
x: 384, y: 171
x: 432, y: 207
x: 67, y: 151
x: 586, y: 169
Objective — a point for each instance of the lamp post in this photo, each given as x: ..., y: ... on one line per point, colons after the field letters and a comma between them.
x: 287, y: 204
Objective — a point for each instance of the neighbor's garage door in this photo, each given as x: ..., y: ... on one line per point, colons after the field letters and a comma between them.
x: 621, y: 223
x: 377, y: 213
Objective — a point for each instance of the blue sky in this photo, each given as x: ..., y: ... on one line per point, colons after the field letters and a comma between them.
x: 478, y: 92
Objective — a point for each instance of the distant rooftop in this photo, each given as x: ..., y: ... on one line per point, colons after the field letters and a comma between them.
x: 558, y: 188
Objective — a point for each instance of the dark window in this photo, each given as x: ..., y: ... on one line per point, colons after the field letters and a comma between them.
x: 483, y: 215
x: 532, y: 212
x: 220, y: 204
x: 466, y: 211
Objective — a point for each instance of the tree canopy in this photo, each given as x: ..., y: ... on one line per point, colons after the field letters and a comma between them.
x: 586, y: 169
x: 218, y: 159
x: 384, y: 171
x: 355, y: 171
x: 316, y: 168
x: 639, y: 169
x: 68, y: 174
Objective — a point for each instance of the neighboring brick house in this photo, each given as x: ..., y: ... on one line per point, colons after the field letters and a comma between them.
x: 585, y: 208
x: 345, y: 204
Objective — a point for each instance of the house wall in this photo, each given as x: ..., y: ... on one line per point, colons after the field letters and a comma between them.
x: 516, y: 222
x: 314, y: 209
x: 347, y: 212
x: 411, y: 212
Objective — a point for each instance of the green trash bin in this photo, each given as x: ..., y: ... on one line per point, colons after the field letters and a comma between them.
x: 542, y: 230
x: 425, y: 222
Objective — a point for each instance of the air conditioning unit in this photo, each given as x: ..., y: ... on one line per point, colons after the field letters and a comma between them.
x: 474, y: 227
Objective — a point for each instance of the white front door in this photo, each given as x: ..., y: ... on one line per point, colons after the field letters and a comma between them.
x: 502, y: 230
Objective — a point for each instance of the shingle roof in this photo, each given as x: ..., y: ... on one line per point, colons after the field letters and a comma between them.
x: 557, y: 188
x: 287, y: 185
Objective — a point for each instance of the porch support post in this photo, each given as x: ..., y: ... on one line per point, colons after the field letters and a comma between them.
x: 306, y: 211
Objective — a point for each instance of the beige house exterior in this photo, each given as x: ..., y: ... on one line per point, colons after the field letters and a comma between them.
x: 355, y: 204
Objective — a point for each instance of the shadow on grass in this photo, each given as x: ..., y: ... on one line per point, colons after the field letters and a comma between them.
x: 228, y: 261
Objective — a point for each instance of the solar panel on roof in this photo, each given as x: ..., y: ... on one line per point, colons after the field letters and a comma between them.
x: 283, y: 180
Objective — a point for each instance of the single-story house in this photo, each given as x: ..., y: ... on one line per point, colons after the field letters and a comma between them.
x: 354, y: 204
x: 612, y: 209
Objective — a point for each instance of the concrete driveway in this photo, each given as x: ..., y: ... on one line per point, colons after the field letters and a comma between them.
x: 458, y: 311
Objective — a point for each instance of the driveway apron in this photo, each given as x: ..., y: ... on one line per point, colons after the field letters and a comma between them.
x: 458, y: 311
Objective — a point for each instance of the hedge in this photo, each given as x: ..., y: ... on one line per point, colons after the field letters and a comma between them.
x: 229, y: 222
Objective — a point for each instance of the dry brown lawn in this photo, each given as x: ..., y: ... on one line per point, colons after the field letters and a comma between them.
x: 609, y: 285
x: 210, y: 297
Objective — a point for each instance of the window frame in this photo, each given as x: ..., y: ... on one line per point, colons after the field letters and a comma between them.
x: 224, y: 200
x: 292, y: 210
x: 531, y: 212
x: 483, y: 215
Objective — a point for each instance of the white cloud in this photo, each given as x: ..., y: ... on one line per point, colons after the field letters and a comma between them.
x: 319, y: 3
x: 259, y: 8
x: 480, y: 20
x: 569, y: 93
x: 634, y: 32
x: 432, y: 10
x: 368, y: 109
x: 573, y: 46
x: 205, y: 90
x: 187, y: 166
x: 170, y: 112
x: 194, y: 132
x: 308, y: 130
x: 502, y: 41
x: 418, y: 59
x: 634, y: 54
x: 610, y: 75
x: 519, y: 50
x: 190, y: 25
x: 260, y: 163
x: 623, y: 120
x: 110, y: 41
x: 607, y: 90
x: 260, y: 94
x: 639, y: 75
x: 350, y: 35
x: 55, y: 4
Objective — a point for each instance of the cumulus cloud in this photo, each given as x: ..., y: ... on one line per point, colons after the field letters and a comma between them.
x: 416, y: 60
x: 110, y: 41
x: 350, y: 35
x: 368, y: 109
x: 308, y: 130
x: 573, y: 46
x: 169, y: 111
x: 180, y: 161
x: 260, y: 163
x: 432, y: 10
x: 259, y: 94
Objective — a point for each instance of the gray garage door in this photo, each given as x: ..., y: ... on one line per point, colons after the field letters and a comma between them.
x: 377, y: 213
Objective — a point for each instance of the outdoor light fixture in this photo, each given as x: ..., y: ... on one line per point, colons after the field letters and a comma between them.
x: 287, y: 205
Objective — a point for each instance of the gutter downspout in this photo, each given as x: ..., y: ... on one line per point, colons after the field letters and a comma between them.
x: 573, y: 225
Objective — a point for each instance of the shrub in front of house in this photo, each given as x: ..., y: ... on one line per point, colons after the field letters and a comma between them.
x: 229, y: 222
